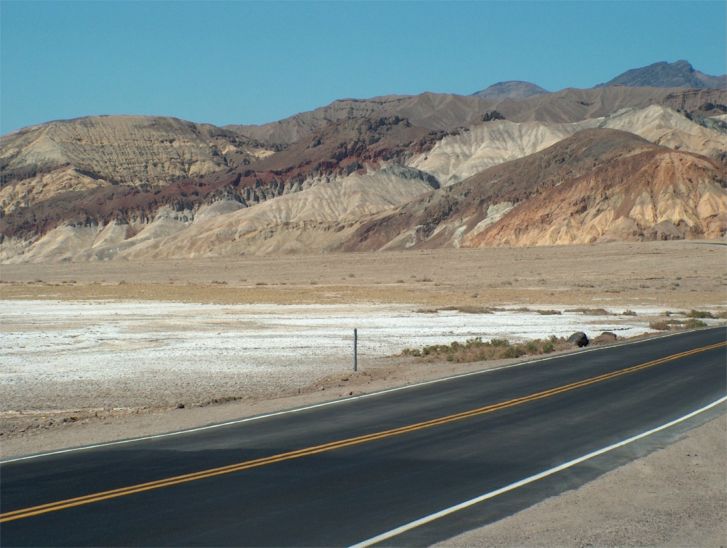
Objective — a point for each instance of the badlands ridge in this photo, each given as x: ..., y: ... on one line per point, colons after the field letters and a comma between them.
x: 513, y: 165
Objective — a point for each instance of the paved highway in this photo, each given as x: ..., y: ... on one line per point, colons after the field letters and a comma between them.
x: 362, y: 469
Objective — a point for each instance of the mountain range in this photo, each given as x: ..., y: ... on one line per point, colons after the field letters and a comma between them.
x: 643, y: 156
x: 680, y: 74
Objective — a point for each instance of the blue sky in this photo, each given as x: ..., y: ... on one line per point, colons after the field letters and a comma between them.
x: 245, y: 62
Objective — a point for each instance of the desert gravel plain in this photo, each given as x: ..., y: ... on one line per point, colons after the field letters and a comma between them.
x: 203, y: 316
x: 93, y: 342
x: 678, y: 274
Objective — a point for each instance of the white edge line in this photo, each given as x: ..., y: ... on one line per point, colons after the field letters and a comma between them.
x: 466, y: 504
x: 325, y: 404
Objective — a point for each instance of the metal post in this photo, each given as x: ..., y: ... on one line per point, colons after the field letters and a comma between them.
x: 355, y: 349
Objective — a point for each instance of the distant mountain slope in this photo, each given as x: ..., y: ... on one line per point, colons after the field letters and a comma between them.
x: 42, y: 161
x: 514, y: 89
x: 598, y: 184
x: 445, y: 112
x: 468, y: 152
x: 336, y: 150
x: 301, y: 125
x: 126, y: 221
x: 367, y: 174
x: 680, y: 74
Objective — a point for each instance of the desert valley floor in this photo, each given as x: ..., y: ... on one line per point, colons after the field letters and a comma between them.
x: 108, y: 350
x: 89, y: 341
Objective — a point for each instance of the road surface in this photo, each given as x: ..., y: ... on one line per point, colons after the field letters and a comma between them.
x: 359, y: 470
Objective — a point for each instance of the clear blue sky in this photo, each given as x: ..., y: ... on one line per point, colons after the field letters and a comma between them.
x: 244, y: 62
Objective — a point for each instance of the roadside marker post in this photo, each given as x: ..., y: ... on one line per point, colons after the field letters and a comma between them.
x: 355, y: 349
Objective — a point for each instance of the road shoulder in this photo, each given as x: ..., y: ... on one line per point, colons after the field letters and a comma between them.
x: 676, y: 496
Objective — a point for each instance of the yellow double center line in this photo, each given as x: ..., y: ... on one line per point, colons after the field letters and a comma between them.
x: 314, y: 450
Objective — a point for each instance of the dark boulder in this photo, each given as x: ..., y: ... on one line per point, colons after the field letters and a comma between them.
x: 579, y: 338
x: 605, y: 337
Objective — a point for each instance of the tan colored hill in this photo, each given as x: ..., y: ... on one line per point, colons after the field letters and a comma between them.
x: 663, y: 126
x: 655, y: 195
x: 39, y: 162
x: 345, y: 147
x: 395, y: 208
x: 456, y: 157
x: 319, y: 217
x: 599, y: 184
x: 112, y: 187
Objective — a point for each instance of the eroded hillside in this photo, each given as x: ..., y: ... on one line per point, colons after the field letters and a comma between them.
x: 598, y: 185
x: 40, y: 162
x: 514, y: 165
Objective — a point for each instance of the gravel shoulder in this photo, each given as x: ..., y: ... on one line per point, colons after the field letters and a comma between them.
x: 676, y: 496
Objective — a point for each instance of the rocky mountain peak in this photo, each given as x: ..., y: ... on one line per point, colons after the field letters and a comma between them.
x: 679, y: 74
x: 513, y: 89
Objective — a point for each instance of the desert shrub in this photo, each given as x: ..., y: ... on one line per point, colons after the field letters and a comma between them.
x: 665, y: 325
x: 699, y: 314
x: 467, y: 309
x: 531, y: 347
x: 628, y: 313
x: 411, y: 352
x: 514, y: 352
x: 549, y: 312
x: 660, y: 325
x: 473, y: 309
x: 694, y: 323
x: 592, y: 311
x: 478, y: 350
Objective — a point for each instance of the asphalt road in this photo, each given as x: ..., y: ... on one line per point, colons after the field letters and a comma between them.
x: 344, y: 473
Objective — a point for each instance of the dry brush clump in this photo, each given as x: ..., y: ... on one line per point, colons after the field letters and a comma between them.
x: 591, y: 311
x: 668, y: 325
x: 474, y: 350
x: 700, y: 314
